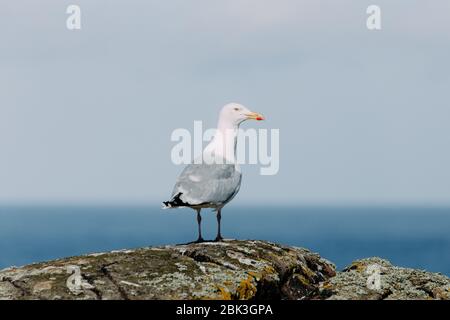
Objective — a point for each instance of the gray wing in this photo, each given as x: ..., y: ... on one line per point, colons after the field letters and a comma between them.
x: 214, y: 184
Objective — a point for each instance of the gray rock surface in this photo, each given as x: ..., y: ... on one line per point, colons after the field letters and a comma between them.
x: 224, y: 270
x: 395, y: 283
x: 227, y: 270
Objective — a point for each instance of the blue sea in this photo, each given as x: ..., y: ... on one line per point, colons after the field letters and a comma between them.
x: 409, y: 237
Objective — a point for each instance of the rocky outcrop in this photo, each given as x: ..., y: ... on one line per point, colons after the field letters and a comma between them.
x: 222, y: 270
x: 359, y: 282
x: 225, y: 270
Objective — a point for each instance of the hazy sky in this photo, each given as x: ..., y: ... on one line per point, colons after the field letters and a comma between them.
x: 86, y: 116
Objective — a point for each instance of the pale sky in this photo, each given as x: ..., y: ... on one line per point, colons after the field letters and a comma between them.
x: 86, y: 116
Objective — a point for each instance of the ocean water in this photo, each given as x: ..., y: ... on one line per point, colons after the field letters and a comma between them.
x: 410, y: 237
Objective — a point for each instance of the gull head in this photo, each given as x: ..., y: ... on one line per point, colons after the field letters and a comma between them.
x: 235, y: 114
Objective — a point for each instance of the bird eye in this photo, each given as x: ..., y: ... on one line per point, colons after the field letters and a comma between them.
x: 236, y: 109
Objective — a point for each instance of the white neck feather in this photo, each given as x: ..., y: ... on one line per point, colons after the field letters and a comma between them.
x: 224, y: 142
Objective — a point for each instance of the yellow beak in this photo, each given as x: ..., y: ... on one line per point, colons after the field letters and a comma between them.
x: 255, y: 116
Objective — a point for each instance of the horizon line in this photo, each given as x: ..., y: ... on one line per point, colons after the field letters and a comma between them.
x: 140, y: 204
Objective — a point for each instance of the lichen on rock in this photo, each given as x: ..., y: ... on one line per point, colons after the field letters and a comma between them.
x: 255, y: 270
x: 395, y: 283
x: 226, y: 270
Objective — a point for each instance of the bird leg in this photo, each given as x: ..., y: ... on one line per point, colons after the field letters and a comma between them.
x: 219, y: 236
x: 199, y: 221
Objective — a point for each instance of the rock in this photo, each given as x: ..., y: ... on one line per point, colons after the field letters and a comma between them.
x: 225, y: 270
x: 358, y: 282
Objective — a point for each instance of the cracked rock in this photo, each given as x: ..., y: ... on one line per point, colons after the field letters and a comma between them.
x: 232, y: 269
x: 394, y: 283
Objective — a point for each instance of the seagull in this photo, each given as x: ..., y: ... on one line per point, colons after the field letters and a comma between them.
x: 214, y: 178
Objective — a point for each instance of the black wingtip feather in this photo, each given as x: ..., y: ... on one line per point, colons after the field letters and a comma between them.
x: 175, y: 202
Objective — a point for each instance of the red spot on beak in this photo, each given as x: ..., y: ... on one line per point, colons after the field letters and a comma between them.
x: 259, y: 118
